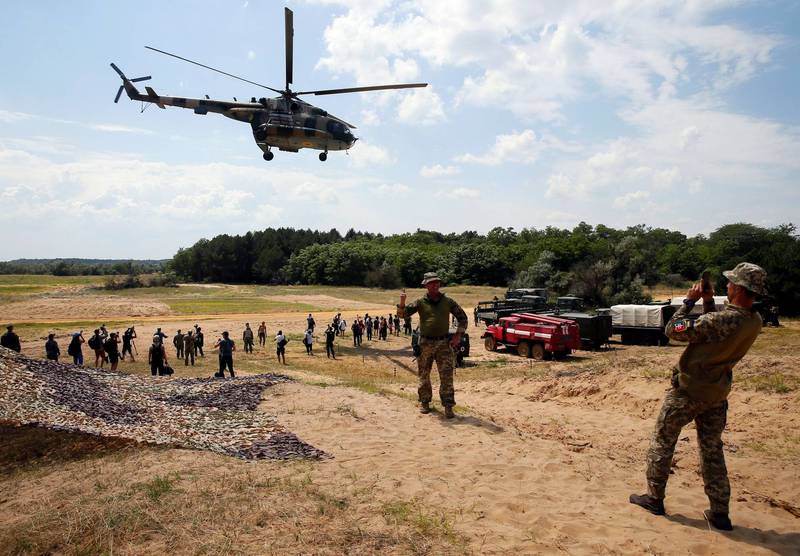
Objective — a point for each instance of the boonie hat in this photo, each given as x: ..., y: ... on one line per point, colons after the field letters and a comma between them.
x: 430, y: 277
x: 749, y: 276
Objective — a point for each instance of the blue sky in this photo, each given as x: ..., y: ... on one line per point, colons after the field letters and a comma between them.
x: 675, y: 114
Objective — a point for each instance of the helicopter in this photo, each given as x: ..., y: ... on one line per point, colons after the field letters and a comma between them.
x: 285, y: 122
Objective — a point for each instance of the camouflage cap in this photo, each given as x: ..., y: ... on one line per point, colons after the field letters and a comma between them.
x: 430, y: 277
x: 750, y: 276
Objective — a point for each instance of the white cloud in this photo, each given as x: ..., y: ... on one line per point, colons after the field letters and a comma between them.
x: 421, y: 107
x: 365, y: 155
x: 533, y: 57
x: 311, y: 191
x: 394, y: 189
x: 458, y: 193
x: 114, y: 128
x: 522, y: 147
x: 438, y: 171
x: 634, y: 197
x: 370, y: 118
x: 8, y: 117
x: 683, y: 146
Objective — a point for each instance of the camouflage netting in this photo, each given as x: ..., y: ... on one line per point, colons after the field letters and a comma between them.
x: 219, y: 415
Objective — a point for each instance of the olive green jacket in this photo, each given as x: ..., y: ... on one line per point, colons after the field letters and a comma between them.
x: 717, y: 341
x: 434, y: 316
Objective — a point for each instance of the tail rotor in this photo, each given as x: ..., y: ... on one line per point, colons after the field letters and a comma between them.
x: 124, y: 79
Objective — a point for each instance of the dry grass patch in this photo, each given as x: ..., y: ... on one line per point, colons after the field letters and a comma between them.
x: 214, y: 505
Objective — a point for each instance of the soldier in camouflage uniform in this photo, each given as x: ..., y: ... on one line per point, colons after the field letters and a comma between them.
x: 700, y: 386
x: 434, y: 322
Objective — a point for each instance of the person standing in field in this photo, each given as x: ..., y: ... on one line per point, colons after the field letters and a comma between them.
x: 368, y: 326
x: 701, y: 383
x: 127, y: 343
x: 247, y: 338
x: 198, y: 340
x: 280, y: 346
x: 226, y: 348
x: 188, y: 349
x: 330, y: 336
x: 311, y: 323
x: 434, y: 311
x: 51, y: 349
x: 177, y: 341
x: 10, y: 339
x: 111, y: 347
x: 157, y: 356
x: 75, y: 348
x: 396, y: 325
x: 262, y: 334
x: 96, y: 344
x: 308, y: 341
x: 376, y: 324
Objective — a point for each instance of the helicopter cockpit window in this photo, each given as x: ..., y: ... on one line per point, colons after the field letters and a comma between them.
x: 335, y: 127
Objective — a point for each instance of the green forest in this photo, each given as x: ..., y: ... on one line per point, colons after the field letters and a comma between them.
x: 601, y: 264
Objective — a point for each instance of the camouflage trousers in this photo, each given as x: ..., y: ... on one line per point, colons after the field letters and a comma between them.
x: 441, y: 352
x: 677, y: 411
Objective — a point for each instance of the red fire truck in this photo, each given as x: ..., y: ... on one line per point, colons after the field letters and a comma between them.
x: 533, y: 335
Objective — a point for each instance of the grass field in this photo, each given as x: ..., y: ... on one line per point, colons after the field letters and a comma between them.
x: 49, y: 280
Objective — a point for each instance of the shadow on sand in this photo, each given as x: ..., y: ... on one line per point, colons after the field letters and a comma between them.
x: 785, y: 544
x: 467, y: 420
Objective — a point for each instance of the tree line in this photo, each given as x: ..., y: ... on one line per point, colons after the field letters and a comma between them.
x: 602, y: 264
x: 82, y: 267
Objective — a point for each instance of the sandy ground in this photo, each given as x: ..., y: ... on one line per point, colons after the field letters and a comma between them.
x: 531, y: 476
x: 543, y: 455
x: 65, y: 308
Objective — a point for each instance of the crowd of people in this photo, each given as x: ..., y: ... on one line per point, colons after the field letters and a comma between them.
x: 110, y: 348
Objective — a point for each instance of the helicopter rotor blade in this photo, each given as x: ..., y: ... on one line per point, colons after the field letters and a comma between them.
x: 363, y: 89
x: 213, y: 69
x: 141, y: 79
x: 289, y: 34
x: 119, y: 94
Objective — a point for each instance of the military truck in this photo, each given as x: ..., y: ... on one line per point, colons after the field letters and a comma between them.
x: 520, y: 292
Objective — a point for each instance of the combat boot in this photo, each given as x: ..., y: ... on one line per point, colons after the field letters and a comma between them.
x: 448, y: 412
x: 650, y: 503
x: 425, y: 407
x: 718, y: 520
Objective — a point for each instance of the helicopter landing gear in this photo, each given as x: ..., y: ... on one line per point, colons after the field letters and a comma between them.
x: 323, y: 156
x: 268, y: 155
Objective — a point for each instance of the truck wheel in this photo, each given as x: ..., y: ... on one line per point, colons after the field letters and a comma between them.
x: 524, y: 349
x: 490, y: 344
x: 537, y: 351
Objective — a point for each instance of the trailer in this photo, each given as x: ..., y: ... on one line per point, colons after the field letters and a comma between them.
x: 641, y: 324
x: 644, y: 324
x: 533, y: 335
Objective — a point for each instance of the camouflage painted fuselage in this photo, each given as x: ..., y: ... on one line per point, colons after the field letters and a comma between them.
x: 287, y: 124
